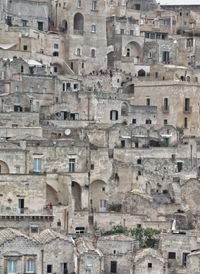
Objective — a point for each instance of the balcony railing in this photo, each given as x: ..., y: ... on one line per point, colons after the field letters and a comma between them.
x: 14, y: 211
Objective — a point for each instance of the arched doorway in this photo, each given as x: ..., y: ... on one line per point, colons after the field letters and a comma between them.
x: 78, y: 23
x: 76, y: 194
x: 141, y: 73
x: 64, y: 26
x: 124, y: 109
x: 4, y: 169
x: 133, y: 50
x: 52, y: 197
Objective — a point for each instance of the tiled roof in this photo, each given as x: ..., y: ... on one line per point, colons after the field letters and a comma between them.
x: 10, y: 234
x: 85, y: 245
x: 48, y: 235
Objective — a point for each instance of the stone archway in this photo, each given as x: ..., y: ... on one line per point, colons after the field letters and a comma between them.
x: 78, y: 23
x: 76, y: 194
x: 52, y: 196
x: 134, y: 51
x: 4, y: 169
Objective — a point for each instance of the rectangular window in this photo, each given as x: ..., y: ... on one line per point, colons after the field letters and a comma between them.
x: 102, y: 205
x: 113, y: 267
x: 165, y: 122
x: 93, y: 28
x: 21, y: 206
x: 114, y: 115
x: 148, y: 101
x: 94, y: 4
x: 93, y: 53
x: 24, y: 23
x: 148, y: 122
x: 40, y: 25
x: 72, y: 163
x: 75, y: 86
x: 49, y: 269
x: 37, y: 164
x: 56, y: 46
x: 172, y: 255
x: 30, y: 266
x: 79, y: 3
x: 131, y: 32
x: 165, y: 57
x: 17, y: 169
x: 187, y: 104
x: 134, y: 121
x: 63, y: 268
x: 122, y: 31
x: 166, y: 106
x: 12, y: 267
x: 179, y: 166
x: 149, y: 265
x: 185, y: 122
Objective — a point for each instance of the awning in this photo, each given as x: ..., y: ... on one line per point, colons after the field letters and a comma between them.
x: 33, y: 63
x: 7, y: 46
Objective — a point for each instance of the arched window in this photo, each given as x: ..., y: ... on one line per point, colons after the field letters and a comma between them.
x: 141, y: 73
x: 78, y: 23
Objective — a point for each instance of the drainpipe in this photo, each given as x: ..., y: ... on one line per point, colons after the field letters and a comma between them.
x: 42, y: 262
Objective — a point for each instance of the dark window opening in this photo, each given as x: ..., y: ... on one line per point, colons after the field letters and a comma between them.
x: 187, y: 104
x: 148, y: 122
x: 113, y: 267
x: 172, y: 255
x: 40, y: 26
x: 123, y: 143
x: 139, y: 161
x: 184, y: 258
x: 179, y: 166
x: 166, y: 104
x: 165, y: 57
x: 134, y: 121
x: 55, y: 53
x: 149, y: 265
x: 185, y: 122
x: 49, y: 268
x: 148, y: 101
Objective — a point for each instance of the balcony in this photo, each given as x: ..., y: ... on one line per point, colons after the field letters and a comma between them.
x: 8, y: 213
x: 165, y: 109
x: 187, y: 109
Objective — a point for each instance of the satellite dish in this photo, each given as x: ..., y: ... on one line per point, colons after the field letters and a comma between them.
x: 67, y: 131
